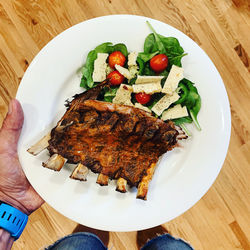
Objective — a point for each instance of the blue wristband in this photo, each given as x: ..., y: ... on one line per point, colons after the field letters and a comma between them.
x: 12, y: 220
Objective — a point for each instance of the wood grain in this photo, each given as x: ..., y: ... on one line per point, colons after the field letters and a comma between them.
x: 221, y: 219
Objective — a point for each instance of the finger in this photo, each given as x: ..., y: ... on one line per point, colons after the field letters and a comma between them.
x: 12, y: 126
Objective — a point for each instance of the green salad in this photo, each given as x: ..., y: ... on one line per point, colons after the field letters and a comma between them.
x: 151, y: 80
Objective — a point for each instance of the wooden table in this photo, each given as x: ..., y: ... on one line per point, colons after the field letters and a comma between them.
x: 221, y: 219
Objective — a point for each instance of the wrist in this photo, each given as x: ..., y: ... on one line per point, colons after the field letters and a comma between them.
x: 6, y: 241
x: 14, y: 203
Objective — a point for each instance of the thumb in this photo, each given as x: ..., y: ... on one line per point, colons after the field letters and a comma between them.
x: 11, y: 128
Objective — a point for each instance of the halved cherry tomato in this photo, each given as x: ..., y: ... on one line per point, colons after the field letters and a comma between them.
x: 115, y: 77
x: 142, y: 98
x: 116, y: 58
x: 158, y: 63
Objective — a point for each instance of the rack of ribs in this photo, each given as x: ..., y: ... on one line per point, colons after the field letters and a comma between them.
x: 116, y: 141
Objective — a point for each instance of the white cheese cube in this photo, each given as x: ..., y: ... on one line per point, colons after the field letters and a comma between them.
x: 100, y: 66
x: 172, y: 81
x: 140, y: 106
x: 164, y: 103
x: 176, y: 112
x: 123, y: 71
x: 148, y: 88
x: 132, y: 58
x: 148, y: 79
x: 123, y: 95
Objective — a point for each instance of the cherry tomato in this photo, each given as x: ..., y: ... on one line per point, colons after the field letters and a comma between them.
x: 158, y: 63
x: 116, y: 58
x: 115, y: 77
x: 142, y: 98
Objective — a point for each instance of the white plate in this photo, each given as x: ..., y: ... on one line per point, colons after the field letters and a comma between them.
x: 183, y: 175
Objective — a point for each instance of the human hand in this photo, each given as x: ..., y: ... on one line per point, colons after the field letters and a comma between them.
x: 15, y: 189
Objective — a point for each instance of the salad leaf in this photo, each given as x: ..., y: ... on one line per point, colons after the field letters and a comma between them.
x: 176, y: 60
x: 121, y: 47
x: 164, y: 73
x: 110, y: 94
x: 183, y: 91
x: 166, y: 45
x: 83, y: 82
x: 149, y: 44
x: 141, y: 65
x: 148, y: 71
x: 181, y: 120
x: 158, y: 41
x: 104, y: 48
x: 132, y: 81
x: 88, y: 69
x: 192, y: 101
x: 172, y: 45
x: 194, y: 112
x: 147, y: 56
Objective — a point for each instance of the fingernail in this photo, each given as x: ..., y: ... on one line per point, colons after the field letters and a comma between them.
x: 10, y: 107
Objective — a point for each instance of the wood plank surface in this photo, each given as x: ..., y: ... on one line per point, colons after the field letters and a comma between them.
x: 221, y: 219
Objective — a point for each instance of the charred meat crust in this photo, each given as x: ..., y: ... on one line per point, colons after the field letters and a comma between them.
x: 114, y: 140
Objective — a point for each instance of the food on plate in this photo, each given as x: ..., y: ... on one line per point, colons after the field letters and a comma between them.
x: 142, y: 98
x: 156, y: 72
x: 159, y: 63
x: 115, y: 77
x: 116, y: 58
x: 116, y: 141
x: 134, y: 109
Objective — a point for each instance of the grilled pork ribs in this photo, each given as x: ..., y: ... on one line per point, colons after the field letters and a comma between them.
x: 116, y: 141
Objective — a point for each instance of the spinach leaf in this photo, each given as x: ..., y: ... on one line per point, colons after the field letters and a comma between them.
x: 176, y: 60
x: 194, y: 112
x: 110, y: 94
x: 149, y: 43
x: 88, y: 69
x: 192, y: 101
x: 104, y: 48
x: 158, y: 41
x: 141, y: 65
x: 181, y: 120
x: 164, y: 73
x: 148, y: 71
x: 132, y: 81
x: 172, y: 45
x: 147, y: 56
x: 83, y: 82
x: 121, y: 47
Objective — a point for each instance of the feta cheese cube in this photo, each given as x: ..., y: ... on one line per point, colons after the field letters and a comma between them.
x: 176, y: 112
x: 164, y: 103
x: 172, y: 81
x: 100, y: 66
x: 125, y: 72
x: 148, y: 88
x: 140, y: 106
x: 148, y: 79
x: 123, y: 95
x: 132, y: 58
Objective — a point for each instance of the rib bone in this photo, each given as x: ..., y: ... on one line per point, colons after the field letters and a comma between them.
x: 80, y: 172
x: 121, y: 185
x: 143, y: 185
x: 55, y: 162
x: 102, y: 180
x: 40, y: 145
